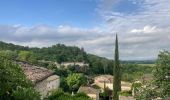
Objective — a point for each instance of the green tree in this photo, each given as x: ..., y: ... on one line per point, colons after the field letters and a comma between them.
x: 81, y: 96
x: 27, y: 56
x: 116, y: 71
x: 24, y: 55
x: 12, y: 80
x: 60, y: 95
x: 75, y: 80
x: 161, y: 74
x: 132, y: 72
x: 32, y: 58
x: 160, y: 86
x: 8, y: 54
x: 23, y: 93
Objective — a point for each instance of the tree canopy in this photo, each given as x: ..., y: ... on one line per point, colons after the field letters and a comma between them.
x: 13, y: 82
x: 60, y: 95
x: 58, y: 53
x: 75, y: 80
x: 161, y: 74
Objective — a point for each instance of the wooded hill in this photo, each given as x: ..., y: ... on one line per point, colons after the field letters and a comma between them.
x: 62, y: 53
x: 58, y: 53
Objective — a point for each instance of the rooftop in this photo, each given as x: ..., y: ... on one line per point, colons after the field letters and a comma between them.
x: 35, y: 73
x: 104, y: 78
x: 108, y: 79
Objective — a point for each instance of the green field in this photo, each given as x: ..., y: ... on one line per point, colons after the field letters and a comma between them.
x: 150, y: 65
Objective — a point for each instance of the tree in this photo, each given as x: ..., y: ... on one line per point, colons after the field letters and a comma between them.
x: 13, y: 82
x: 60, y: 53
x: 161, y: 74
x: 24, y: 55
x: 116, y: 71
x: 131, y: 72
x: 23, y: 93
x: 75, y: 80
x: 60, y: 95
x: 160, y: 85
x: 8, y: 54
x: 27, y: 56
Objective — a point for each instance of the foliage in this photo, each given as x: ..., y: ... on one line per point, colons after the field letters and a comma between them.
x: 12, y: 47
x: 81, y: 96
x: 64, y: 85
x: 146, y: 93
x: 100, y: 65
x: 132, y: 72
x: 117, y: 74
x: 23, y: 93
x: 8, y: 54
x: 60, y: 95
x: 61, y: 53
x: 62, y: 72
x: 52, y: 66
x: 162, y: 74
x: 160, y: 87
x: 12, y: 80
x: 27, y: 56
x: 75, y: 80
x: 126, y: 93
x: 136, y: 87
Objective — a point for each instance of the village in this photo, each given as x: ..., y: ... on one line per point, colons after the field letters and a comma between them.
x: 45, y: 81
x: 84, y: 50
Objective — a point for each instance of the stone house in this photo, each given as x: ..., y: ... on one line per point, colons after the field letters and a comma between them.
x: 43, y: 79
x: 54, y: 63
x: 108, y: 80
x: 91, y: 92
x: 79, y: 66
x: 66, y: 64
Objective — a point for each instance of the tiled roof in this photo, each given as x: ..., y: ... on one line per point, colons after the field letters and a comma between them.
x: 104, y: 78
x: 88, y: 90
x: 35, y: 73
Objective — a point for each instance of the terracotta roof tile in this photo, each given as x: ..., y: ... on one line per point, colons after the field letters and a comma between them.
x: 35, y: 73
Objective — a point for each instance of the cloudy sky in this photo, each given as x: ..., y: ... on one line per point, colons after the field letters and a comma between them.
x: 143, y: 26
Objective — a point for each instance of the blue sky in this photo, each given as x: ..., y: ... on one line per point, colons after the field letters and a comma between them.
x: 143, y: 26
x: 79, y: 13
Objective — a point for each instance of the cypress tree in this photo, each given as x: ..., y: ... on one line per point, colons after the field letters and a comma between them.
x: 116, y: 72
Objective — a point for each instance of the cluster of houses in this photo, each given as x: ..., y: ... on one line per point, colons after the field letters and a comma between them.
x: 103, y: 82
x: 45, y: 81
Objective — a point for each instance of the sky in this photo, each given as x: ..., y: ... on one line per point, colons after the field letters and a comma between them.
x: 143, y: 26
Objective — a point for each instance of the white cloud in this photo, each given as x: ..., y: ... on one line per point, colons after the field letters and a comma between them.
x: 146, y: 29
x: 141, y: 35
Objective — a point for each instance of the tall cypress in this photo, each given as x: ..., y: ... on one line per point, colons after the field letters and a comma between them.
x: 116, y: 72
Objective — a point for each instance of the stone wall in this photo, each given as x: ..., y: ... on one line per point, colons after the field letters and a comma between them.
x: 45, y: 86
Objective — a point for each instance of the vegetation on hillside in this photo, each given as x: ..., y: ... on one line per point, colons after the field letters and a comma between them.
x: 13, y: 82
x: 15, y: 85
x: 60, y: 95
x: 59, y: 53
x: 160, y: 85
x: 134, y: 72
x: 75, y: 80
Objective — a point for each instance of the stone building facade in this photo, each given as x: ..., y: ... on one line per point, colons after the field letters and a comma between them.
x: 43, y: 79
x: 108, y: 79
x: 91, y: 92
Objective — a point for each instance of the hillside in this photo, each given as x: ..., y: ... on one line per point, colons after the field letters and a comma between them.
x: 59, y: 53
x: 10, y: 46
x: 62, y: 53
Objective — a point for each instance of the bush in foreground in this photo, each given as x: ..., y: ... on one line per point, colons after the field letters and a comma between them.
x: 13, y: 82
